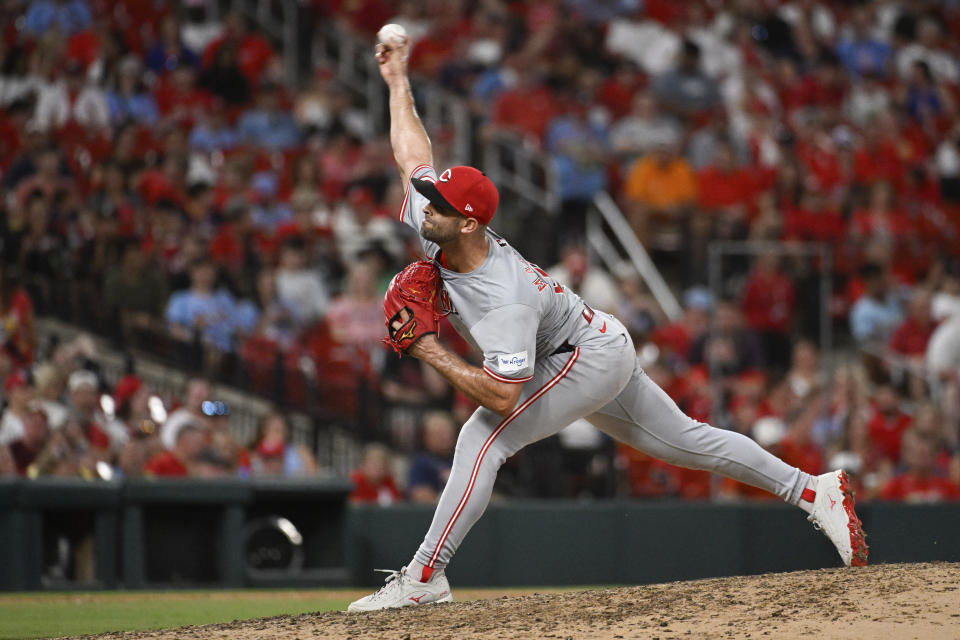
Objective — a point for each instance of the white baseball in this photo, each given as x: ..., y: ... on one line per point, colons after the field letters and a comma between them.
x: 392, y: 35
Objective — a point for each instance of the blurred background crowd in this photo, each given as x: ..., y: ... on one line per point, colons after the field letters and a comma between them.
x: 165, y: 188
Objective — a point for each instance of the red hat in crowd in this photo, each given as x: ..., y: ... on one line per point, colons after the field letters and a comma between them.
x: 15, y: 380
x: 465, y: 190
x: 125, y: 388
x: 270, y: 449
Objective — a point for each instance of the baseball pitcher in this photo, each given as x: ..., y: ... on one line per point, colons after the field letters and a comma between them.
x: 548, y: 359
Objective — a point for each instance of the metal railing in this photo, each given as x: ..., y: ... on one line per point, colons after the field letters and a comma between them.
x: 821, y: 252
x: 601, y: 240
x: 527, y: 172
x: 335, y: 448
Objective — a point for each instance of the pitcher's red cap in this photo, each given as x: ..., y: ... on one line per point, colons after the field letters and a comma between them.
x: 465, y: 190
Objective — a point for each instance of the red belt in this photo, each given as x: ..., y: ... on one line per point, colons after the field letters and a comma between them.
x: 588, y: 313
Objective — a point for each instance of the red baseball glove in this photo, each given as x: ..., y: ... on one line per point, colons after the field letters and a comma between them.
x: 412, y: 305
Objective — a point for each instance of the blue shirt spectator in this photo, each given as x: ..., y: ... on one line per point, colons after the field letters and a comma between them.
x: 203, y: 308
x: 860, y: 52
x: 213, y: 135
x: 130, y: 101
x: 68, y: 17
x: 138, y: 107
x: 864, y: 57
x: 169, y: 52
x: 874, y: 320
x: 431, y: 467
x: 490, y: 83
x: 267, y: 126
x: 579, y: 148
x: 161, y: 59
x: 429, y: 471
x: 246, y: 315
x: 265, y: 211
x: 923, y: 97
x: 876, y: 313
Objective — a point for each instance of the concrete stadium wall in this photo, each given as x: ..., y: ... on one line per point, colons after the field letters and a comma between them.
x: 188, y: 533
x: 632, y: 542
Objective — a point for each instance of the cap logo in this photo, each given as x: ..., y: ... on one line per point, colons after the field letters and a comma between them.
x: 445, y: 176
x: 468, y: 208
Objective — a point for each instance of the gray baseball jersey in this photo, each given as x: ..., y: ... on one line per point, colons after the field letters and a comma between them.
x: 509, y: 309
x: 517, y: 316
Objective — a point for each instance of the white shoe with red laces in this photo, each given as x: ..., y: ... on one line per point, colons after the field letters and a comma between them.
x: 401, y: 590
x: 834, y: 515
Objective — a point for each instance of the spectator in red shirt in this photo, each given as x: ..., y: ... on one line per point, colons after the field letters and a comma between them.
x: 35, y: 432
x: 18, y: 336
x: 675, y: 338
x: 616, y: 94
x: 179, y: 100
x: 643, y: 479
x: 177, y: 462
x: 910, y: 338
x: 879, y: 157
x: 253, y: 50
x: 527, y: 108
x: 887, y: 423
x: 768, y: 302
x: 814, y: 220
x: 929, y: 422
x: 372, y: 480
x: 436, y: 49
x: 652, y: 478
x: 918, y: 483
x: 726, y: 189
x: 797, y: 447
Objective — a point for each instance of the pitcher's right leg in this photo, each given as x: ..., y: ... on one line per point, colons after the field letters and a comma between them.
x: 646, y: 418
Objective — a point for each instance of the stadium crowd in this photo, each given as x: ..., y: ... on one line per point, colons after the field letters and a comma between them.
x: 164, y: 187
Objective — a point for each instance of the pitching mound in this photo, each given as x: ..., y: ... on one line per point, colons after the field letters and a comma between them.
x: 882, y: 602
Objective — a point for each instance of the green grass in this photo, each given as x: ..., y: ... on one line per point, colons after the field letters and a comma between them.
x: 62, y: 614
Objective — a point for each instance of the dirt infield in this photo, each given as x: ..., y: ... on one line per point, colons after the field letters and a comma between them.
x: 884, y: 602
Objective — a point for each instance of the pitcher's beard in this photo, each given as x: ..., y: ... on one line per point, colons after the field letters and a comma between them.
x: 438, y: 235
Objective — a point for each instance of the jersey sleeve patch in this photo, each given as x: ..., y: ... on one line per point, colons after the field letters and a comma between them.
x: 512, y: 362
x: 507, y: 336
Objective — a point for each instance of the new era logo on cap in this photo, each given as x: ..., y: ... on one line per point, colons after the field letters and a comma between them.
x: 463, y: 189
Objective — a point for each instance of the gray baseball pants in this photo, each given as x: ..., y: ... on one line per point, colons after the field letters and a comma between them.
x: 600, y: 381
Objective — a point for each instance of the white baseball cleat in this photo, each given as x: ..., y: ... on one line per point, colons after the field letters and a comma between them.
x: 834, y: 515
x: 401, y: 590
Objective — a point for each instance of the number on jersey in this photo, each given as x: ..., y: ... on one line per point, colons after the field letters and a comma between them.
x: 543, y: 279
